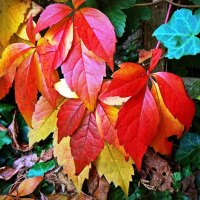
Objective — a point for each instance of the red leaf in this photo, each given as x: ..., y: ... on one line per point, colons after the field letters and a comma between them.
x: 137, y: 126
x: 46, y: 77
x: 77, y: 3
x: 86, y: 142
x: 91, y: 25
x: 144, y: 55
x: 6, y: 81
x: 69, y: 118
x: 26, y: 88
x: 127, y: 81
x: 83, y: 72
x: 51, y: 15
x: 60, y: 36
x: 175, y: 97
x: 106, y: 117
x: 156, y: 54
x: 30, y: 30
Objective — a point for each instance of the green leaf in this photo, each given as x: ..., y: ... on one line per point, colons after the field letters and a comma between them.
x: 5, y: 109
x: 179, y: 35
x: 197, y: 2
x: 4, y: 139
x: 192, y: 86
x: 113, y: 9
x: 189, y: 150
x: 40, y: 168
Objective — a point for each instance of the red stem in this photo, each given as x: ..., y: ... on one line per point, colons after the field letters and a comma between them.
x: 166, y: 19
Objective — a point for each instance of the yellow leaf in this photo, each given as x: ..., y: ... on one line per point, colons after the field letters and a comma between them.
x: 63, y: 153
x: 11, y: 16
x: 44, y: 120
x: 168, y: 125
x: 79, y: 180
x: 112, y: 164
x: 64, y: 158
x: 64, y: 90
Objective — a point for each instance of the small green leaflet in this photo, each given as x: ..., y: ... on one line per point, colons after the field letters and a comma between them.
x: 4, y: 139
x: 179, y: 35
x: 5, y: 109
x: 197, y: 2
x: 113, y: 9
x: 192, y: 86
x: 40, y: 168
x: 189, y: 150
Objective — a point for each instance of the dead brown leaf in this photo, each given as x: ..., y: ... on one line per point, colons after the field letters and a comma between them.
x: 26, y: 161
x: 156, y: 173
x: 47, y: 155
x: 98, y: 187
x: 144, y: 55
x: 7, y: 173
x: 14, y: 134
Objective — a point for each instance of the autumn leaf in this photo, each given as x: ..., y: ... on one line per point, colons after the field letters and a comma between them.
x: 140, y: 119
x: 70, y: 116
x: 167, y: 127
x: 106, y: 117
x: 118, y: 170
x: 86, y: 143
x: 44, y: 120
x: 11, y: 18
x: 77, y: 3
x: 83, y: 80
x: 23, y: 190
x: 64, y: 158
x: 136, y: 127
x: 174, y: 96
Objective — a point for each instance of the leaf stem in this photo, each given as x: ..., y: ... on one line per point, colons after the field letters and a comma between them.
x: 166, y: 18
x: 166, y: 1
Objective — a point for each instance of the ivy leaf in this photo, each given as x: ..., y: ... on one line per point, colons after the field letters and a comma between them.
x: 4, y: 139
x: 189, y: 150
x: 40, y: 168
x: 113, y: 9
x: 5, y: 109
x: 119, y: 171
x: 179, y: 35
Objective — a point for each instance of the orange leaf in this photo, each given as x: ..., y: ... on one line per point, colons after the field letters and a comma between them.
x: 106, y: 117
x: 77, y: 3
x: 26, y: 88
x: 167, y: 127
x: 27, y: 186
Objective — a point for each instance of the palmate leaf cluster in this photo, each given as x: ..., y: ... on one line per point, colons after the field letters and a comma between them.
x: 94, y: 121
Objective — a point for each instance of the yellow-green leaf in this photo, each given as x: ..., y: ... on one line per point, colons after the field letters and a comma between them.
x: 11, y: 16
x: 44, y: 120
x: 112, y: 164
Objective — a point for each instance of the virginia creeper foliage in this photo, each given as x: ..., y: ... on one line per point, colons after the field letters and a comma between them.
x: 87, y: 124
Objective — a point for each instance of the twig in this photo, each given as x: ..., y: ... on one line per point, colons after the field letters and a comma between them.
x: 166, y: 1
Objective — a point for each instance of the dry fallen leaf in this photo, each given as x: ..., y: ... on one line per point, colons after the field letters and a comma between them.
x: 14, y: 134
x: 98, y: 187
x: 47, y: 155
x: 7, y: 173
x: 156, y: 173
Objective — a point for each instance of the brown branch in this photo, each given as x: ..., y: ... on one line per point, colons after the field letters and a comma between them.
x: 166, y: 1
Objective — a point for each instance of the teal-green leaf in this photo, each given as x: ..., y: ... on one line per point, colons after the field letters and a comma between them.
x: 179, y: 35
x: 4, y: 139
x: 189, y: 150
x: 5, y: 111
x: 40, y: 168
